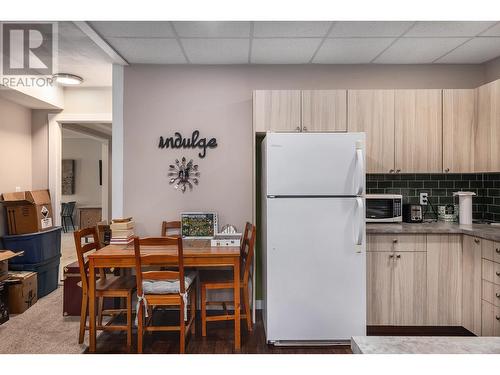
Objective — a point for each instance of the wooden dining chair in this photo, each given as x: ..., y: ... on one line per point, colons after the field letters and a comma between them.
x: 163, y: 287
x: 210, y: 280
x: 171, y: 229
x: 107, y: 286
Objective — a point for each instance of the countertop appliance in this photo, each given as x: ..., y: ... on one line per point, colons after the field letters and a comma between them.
x: 413, y: 213
x: 313, y: 244
x: 384, y: 208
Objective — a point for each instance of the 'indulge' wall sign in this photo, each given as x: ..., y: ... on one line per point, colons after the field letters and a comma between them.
x: 178, y: 141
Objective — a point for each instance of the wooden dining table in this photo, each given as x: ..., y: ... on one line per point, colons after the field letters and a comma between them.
x: 197, y: 254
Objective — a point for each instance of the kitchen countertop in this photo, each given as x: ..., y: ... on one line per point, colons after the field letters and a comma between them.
x: 424, y: 345
x: 486, y: 231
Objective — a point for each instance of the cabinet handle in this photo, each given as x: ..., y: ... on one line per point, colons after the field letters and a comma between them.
x: 446, y: 170
x: 497, y: 317
x: 497, y: 250
x: 398, y: 256
x: 398, y: 170
x: 497, y: 294
x: 297, y: 128
x: 391, y: 170
x: 498, y: 274
x: 476, y: 240
x: 395, y: 240
x: 391, y: 256
x: 304, y: 128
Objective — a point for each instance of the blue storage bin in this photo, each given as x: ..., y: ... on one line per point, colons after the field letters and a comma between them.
x: 47, y: 274
x: 38, y: 247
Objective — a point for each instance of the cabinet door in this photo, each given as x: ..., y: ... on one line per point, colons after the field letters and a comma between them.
x: 410, y: 289
x: 487, y: 132
x: 372, y: 112
x: 444, y: 280
x: 418, y: 131
x: 276, y: 110
x: 459, y: 123
x: 471, y: 284
x: 379, y: 279
x: 490, y: 320
x: 324, y: 110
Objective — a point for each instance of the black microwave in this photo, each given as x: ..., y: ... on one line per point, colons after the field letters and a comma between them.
x: 384, y: 208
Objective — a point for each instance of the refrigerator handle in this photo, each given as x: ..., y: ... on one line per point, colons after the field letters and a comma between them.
x: 361, y: 170
x: 361, y: 218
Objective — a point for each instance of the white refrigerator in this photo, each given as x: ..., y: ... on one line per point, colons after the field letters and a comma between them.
x: 313, y: 237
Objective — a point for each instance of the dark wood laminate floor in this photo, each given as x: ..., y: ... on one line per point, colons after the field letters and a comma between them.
x: 219, y: 340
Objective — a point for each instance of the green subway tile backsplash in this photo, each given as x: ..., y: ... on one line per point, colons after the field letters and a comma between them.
x: 440, y: 187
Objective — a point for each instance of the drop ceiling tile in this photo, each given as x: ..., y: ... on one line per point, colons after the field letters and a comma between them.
x: 493, y: 31
x: 475, y: 51
x: 350, y: 50
x: 369, y: 28
x: 217, y: 51
x: 418, y: 50
x: 447, y: 28
x: 283, y: 51
x: 148, y: 51
x: 290, y: 29
x: 212, y: 29
x: 134, y: 29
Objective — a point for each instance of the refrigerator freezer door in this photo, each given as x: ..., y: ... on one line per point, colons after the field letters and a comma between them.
x: 315, y: 269
x: 313, y: 164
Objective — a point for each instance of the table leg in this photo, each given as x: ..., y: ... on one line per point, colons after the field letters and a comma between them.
x: 92, y: 330
x: 237, y: 317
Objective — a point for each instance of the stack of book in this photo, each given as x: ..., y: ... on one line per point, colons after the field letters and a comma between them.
x: 122, y: 231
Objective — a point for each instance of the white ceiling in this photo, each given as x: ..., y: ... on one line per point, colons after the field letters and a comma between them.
x: 78, y: 54
x: 298, y: 42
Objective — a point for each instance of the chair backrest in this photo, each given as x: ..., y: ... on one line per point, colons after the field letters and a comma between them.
x: 175, y: 260
x: 171, y: 229
x: 247, y: 250
x: 68, y: 208
x: 81, y: 250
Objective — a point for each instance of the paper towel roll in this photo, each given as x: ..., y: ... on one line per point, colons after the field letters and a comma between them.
x: 464, y: 206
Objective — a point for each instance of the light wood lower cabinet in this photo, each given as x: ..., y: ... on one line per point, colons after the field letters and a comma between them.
x: 444, y: 280
x: 396, y: 288
x: 490, y: 319
x: 471, y: 284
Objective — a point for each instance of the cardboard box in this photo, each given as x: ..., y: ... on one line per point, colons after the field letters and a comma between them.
x: 28, y: 211
x: 5, y: 255
x: 22, y: 291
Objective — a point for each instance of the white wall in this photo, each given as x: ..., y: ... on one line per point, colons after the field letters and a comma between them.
x: 86, y: 153
x: 15, y: 151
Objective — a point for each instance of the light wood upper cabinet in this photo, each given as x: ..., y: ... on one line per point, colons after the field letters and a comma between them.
x: 372, y: 112
x: 277, y: 110
x: 471, y: 284
x: 418, y: 131
x: 444, y: 280
x: 487, y: 130
x: 459, y: 124
x: 324, y: 110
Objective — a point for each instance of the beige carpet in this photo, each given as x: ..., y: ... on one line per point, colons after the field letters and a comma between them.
x: 42, y: 329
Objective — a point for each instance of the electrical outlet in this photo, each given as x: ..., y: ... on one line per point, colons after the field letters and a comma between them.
x: 18, y: 189
x: 424, y: 199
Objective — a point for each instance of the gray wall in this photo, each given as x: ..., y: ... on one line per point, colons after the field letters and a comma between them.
x: 217, y: 100
x: 15, y: 151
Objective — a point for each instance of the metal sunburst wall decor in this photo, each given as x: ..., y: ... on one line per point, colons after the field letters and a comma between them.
x: 183, y: 175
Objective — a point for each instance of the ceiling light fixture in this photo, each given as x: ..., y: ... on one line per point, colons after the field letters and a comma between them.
x: 67, y: 79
